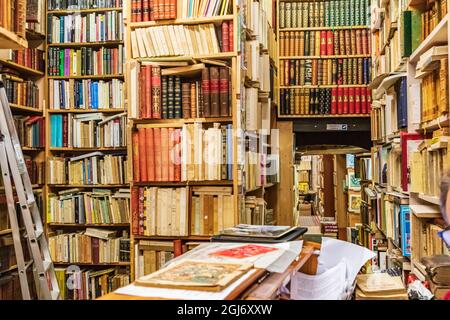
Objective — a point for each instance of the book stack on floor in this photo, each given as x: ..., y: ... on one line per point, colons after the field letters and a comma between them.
x: 325, y: 64
x: 22, y: 72
x: 380, y: 286
x: 87, y: 171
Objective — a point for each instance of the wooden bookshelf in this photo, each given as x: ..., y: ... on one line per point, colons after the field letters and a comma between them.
x: 22, y: 69
x: 15, y: 108
x: 200, y: 20
x: 51, y: 152
x: 325, y: 116
x: 325, y: 57
x: 10, y: 40
x: 323, y: 28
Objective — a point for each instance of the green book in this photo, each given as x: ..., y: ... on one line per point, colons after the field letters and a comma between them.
x: 327, y: 13
x: 61, y: 62
x: 416, y: 29
x: 405, y: 34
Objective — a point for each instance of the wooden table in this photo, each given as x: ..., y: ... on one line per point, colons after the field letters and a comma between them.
x: 258, y: 287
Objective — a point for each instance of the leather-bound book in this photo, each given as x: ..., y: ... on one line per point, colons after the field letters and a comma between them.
x: 215, y: 95
x: 141, y: 209
x: 173, y: 9
x: 148, y: 92
x: 206, y: 92
x: 186, y: 99
x: 353, y: 42
x: 282, y: 43
x: 291, y: 43
x: 340, y: 101
x: 145, y: 10
x: 330, y: 43
x: 224, y: 91
x: 292, y: 72
x: 156, y: 92
x: 170, y: 154
x: 150, y: 155
x: 342, y: 42
x: 170, y: 97
x: 323, y: 43
x: 363, y: 100
x: 314, y: 76
x: 297, y: 43
x: 333, y: 101
x: 134, y: 211
x: 351, y: 100
x: 177, y: 98
x: 357, y: 100
x: 302, y: 43
x: 142, y: 91
x: 194, y: 102
x: 348, y: 42
x: 369, y: 100
x: 318, y: 43
x: 143, y: 154
x: 345, y: 100
x: 136, y: 166
x: 152, y: 10
x: 307, y: 43
x: 231, y: 35
x: 177, y: 154
x: 157, y: 152
x: 336, y: 39
x: 165, y: 97
x: 225, y: 37
x: 358, y: 40
x: 297, y: 100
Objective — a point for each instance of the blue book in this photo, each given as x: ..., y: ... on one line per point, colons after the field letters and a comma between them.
x: 60, y: 131
x: 62, y: 96
x: 402, y: 103
x: 53, y: 127
x: 95, y: 104
x: 230, y: 152
x: 405, y: 229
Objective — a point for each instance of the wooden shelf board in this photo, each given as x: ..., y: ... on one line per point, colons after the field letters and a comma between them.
x: 218, y: 56
x: 326, y: 86
x: 324, y: 28
x: 11, y: 268
x: 10, y: 40
x: 93, y: 186
x: 33, y: 149
x: 18, y: 108
x: 439, y: 35
x: 253, y: 189
x: 178, y: 121
x: 86, y: 44
x: 326, y: 57
x: 425, y: 211
x: 105, y: 76
x: 192, y: 238
x: 71, y: 11
x: 185, y: 183
x: 326, y: 116
x: 214, y: 19
x: 442, y: 121
x: 21, y: 68
x: 34, y: 36
x: 85, y: 225
x: 87, y: 149
x: 431, y: 199
x: 87, y: 110
x: 112, y: 264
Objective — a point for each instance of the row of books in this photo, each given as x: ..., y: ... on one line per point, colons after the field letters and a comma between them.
x: 190, y: 154
x: 255, y: 163
x: 204, y: 8
x: 435, y: 92
x: 152, y: 255
x: 21, y: 92
x: 89, y: 169
x: 82, y: 4
x: 86, y: 94
x: 89, y: 130
x: 339, y: 100
x: 29, y: 57
x: 152, y: 10
x: 101, y: 206
x: 87, y: 284
x: 80, y: 247
x: 431, y: 17
x: 212, y: 210
x: 159, y: 211
x: 30, y: 130
x: 36, y: 170
x: 179, y: 40
x: 324, y: 13
x: 10, y: 288
x: 91, y: 27
x: 354, y: 71
x: 173, y: 97
x: 256, y: 212
x: 325, y: 43
x: 85, y: 61
x: 12, y: 16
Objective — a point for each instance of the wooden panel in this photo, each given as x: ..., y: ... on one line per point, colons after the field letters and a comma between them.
x: 285, y: 187
x: 341, y: 197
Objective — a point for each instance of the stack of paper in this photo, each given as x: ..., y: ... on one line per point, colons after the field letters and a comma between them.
x: 380, y: 286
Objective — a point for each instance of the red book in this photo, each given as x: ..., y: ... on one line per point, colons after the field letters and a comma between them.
x: 177, y: 159
x: 142, y: 91
x: 333, y: 100
x: 369, y: 100
x: 231, y: 35
x: 148, y: 92
x: 177, y: 248
x: 165, y: 154
x: 351, y: 100
x: 95, y: 249
x: 323, y: 43
x: 157, y: 151
x: 135, y: 211
x: 330, y: 41
x: 214, y: 93
x: 225, y: 37
x: 224, y: 91
x: 363, y: 100
x: 150, y: 154
x: 206, y: 93
x: 345, y: 100
x: 141, y: 211
x: 156, y: 92
x: 340, y: 102
x: 357, y: 100
x: 173, y: 9
x: 145, y: 10
x: 156, y: 7
x: 142, y: 154
x: 152, y: 9
x: 135, y: 142
x: 171, y: 153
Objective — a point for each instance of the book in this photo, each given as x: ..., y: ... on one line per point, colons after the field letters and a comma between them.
x: 32, y: 58
x: 68, y: 5
x: 13, y: 16
x: 30, y: 130
x: 21, y: 92
x: 208, y: 8
x: 152, y: 256
x: 145, y: 10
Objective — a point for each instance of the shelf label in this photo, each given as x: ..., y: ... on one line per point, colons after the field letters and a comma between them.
x: 337, y: 127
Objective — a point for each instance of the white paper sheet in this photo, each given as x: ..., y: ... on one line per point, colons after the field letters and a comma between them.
x: 133, y: 290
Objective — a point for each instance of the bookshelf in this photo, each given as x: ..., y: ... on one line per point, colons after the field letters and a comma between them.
x: 89, y: 106
x: 324, y: 59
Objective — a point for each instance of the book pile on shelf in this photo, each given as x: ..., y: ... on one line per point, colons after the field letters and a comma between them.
x: 159, y: 211
x: 95, y: 246
x: 30, y: 130
x: 165, y: 96
x: 89, y: 283
x: 182, y: 40
x: 21, y: 92
x: 28, y: 57
x: 100, y: 206
x: 324, y: 13
x: 91, y: 27
x: 90, y: 130
x: 93, y: 169
x: 86, y: 94
x: 86, y: 61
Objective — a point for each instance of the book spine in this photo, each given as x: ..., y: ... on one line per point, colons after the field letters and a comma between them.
x: 186, y: 99
x: 177, y: 98
x: 156, y: 92
x: 206, y: 92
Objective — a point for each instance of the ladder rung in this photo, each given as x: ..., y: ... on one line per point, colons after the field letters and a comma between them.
x: 28, y: 264
x: 39, y: 233
x: 47, y: 265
